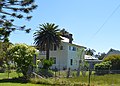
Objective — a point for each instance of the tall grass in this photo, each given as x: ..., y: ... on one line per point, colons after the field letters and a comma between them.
x: 104, y: 80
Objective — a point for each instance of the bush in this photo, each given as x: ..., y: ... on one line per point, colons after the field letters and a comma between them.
x: 40, y: 81
x: 102, y: 68
x: 47, y: 63
x: 115, y: 61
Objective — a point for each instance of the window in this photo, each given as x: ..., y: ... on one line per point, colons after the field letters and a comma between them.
x: 74, y: 49
x: 69, y: 47
x: 51, y: 48
x: 61, y: 47
x: 55, y: 47
x: 71, y: 61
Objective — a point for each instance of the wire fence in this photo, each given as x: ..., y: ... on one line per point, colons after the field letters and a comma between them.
x: 74, y: 73
x: 111, y: 77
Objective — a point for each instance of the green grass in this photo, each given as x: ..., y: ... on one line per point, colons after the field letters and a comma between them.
x: 104, y: 80
x: 11, y: 75
x: 4, y: 81
x: 19, y: 84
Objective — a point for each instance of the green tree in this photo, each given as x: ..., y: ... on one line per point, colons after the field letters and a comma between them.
x: 102, y: 55
x: 11, y: 9
x: 48, y: 35
x: 90, y: 52
x: 115, y: 61
x: 22, y: 55
x: 3, y: 52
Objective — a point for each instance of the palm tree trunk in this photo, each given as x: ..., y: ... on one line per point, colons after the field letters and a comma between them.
x: 47, y: 54
x: 47, y: 50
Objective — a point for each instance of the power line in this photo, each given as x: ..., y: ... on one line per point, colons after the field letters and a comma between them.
x: 104, y: 22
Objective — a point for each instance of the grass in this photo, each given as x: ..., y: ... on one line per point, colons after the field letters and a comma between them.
x: 4, y: 81
x: 11, y: 75
x: 19, y: 84
x: 104, y: 80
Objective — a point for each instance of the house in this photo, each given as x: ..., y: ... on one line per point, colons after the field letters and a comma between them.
x: 112, y: 51
x: 68, y: 55
x: 91, y: 60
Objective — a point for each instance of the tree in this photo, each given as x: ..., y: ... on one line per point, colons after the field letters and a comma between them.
x: 48, y: 35
x: 90, y: 52
x: 11, y: 9
x: 3, y: 52
x: 115, y: 61
x: 102, y: 55
x: 22, y: 55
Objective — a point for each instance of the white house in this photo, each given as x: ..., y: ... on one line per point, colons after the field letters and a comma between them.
x: 66, y: 56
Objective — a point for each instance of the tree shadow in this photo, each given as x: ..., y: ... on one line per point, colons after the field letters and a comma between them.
x: 15, y: 80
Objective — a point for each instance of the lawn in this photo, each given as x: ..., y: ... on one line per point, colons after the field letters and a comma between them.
x: 19, y: 84
x: 5, y: 82
x: 104, y: 80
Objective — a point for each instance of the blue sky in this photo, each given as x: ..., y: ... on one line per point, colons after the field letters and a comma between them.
x: 82, y: 18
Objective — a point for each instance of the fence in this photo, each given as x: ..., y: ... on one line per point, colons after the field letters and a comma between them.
x: 91, y: 76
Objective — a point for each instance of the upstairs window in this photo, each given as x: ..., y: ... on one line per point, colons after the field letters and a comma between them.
x: 69, y: 47
x: 61, y: 47
x: 74, y: 49
x: 55, y: 47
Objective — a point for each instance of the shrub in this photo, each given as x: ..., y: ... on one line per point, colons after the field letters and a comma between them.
x: 102, y: 68
x: 22, y: 55
x: 47, y: 63
x: 40, y: 81
x: 115, y: 61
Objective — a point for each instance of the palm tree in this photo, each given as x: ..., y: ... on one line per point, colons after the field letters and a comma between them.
x: 48, y: 35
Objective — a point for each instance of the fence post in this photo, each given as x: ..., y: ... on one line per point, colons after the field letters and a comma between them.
x: 89, y: 77
x: 68, y: 73
x: 55, y: 72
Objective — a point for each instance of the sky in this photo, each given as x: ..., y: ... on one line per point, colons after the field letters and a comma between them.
x: 94, y: 24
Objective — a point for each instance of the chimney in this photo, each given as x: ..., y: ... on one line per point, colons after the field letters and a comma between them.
x: 70, y: 38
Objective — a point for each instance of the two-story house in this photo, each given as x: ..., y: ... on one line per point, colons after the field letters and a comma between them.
x: 66, y: 56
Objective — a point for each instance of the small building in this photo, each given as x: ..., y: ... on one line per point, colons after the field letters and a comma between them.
x: 112, y: 51
x: 68, y: 55
x: 91, y: 60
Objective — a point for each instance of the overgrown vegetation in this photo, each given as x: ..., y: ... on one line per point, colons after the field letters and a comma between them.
x: 115, y: 61
x: 103, y: 67
x: 22, y: 56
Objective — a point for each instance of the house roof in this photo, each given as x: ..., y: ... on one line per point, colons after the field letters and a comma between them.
x: 88, y: 57
x: 66, y: 40
x: 112, y: 51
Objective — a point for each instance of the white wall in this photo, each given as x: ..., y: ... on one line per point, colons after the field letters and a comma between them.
x: 75, y: 56
x: 63, y: 57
